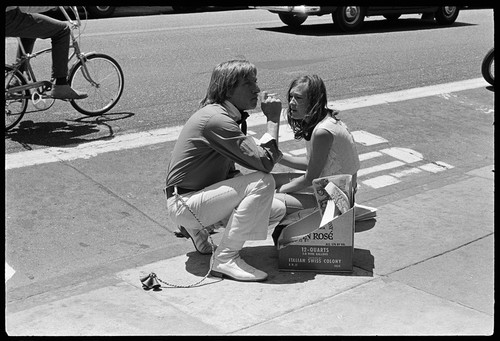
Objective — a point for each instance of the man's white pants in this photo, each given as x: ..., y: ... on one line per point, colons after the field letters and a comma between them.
x: 246, y: 202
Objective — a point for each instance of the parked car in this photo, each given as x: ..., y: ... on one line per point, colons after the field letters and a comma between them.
x: 350, y: 18
x: 92, y: 12
x: 100, y: 11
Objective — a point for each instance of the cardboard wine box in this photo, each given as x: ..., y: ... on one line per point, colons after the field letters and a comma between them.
x: 322, y: 241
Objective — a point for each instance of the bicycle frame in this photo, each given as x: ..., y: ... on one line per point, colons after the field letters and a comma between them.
x: 74, y: 43
x: 76, y: 52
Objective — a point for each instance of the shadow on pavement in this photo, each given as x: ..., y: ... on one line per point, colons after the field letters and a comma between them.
x: 364, y: 263
x: 265, y: 258
x: 65, y: 134
x: 365, y: 225
x: 369, y: 27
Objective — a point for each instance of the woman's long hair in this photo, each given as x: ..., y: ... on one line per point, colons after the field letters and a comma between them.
x: 225, y: 77
x: 317, y: 110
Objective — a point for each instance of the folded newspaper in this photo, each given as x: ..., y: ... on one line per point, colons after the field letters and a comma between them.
x: 337, y: 188
x: 339, y: 193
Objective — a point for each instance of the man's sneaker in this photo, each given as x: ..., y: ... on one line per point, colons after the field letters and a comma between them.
x: 66, y: 92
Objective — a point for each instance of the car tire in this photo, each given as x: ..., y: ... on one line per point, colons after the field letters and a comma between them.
x: 349, y: 18
x: 292, y: 19
x: 101, y: 11
x: 447, y: 15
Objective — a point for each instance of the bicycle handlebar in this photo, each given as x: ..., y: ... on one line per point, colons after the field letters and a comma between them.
x: 74, y: 9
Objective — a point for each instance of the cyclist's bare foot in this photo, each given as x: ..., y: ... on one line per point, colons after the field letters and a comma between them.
x: 66, y: 92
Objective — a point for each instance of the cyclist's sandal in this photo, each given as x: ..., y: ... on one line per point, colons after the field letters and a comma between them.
x: 200, y: 240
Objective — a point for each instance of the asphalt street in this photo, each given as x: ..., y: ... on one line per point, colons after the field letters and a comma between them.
x: 85, y: 213
x: 427, y: 256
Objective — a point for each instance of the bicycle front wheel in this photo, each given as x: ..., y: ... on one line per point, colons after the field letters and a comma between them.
x: 17, y: 102
x: 101, y: 77
x: 488, y: 67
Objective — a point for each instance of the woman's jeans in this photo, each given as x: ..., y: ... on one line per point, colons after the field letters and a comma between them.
x: 246, y: 202
x: 30, y: 26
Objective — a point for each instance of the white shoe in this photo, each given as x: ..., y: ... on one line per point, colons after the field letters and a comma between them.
x: 237, y: 269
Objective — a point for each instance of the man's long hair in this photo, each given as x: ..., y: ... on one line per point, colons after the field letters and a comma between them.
x: 225, y: 77
x: 317, y: 110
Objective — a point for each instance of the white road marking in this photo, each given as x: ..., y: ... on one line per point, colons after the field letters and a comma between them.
x: 404, y: 95
x: 9, y: 272
x: 286, y: 134
x: 381, y: 167
x: 406, y: 172
x: 168, y: 134
x: 90, y: 149
x: 403, y: 154
x: 367, y: 139
x: 436, y: 167
x: 296, y: 152
x: 393, y: 178
x: 381, y: 181
x: 369, y: 155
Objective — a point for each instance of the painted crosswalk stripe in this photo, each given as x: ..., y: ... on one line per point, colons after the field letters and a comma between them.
x: 403, y: 154
x: 394, y: 178
x: 369, y: 155
x: 381, y: 181
x: 436, y: 167
x: 406, y: 172
x: 286, y: 134
x: 381, y: 167
x: 297, y: 152
x: 367, y: 139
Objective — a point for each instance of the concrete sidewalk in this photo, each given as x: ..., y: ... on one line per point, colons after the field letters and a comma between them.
x: 418, y: 271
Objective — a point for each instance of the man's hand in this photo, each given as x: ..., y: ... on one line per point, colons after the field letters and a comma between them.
x: 271, y: 106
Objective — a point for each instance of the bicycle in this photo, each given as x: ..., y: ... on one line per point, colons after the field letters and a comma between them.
x: 488, y: 67
x: 97, y: 74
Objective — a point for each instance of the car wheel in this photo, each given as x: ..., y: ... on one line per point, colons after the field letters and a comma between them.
x: 349, y: 18
x: 292, y: 19
x: 101, y: 11
x: 447, y: 15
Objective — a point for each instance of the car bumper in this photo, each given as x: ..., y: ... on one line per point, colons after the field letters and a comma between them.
x: 307, y: 10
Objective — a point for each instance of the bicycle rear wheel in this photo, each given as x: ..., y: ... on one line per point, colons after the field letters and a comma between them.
x: 104, y: 88
x: 15, y: 103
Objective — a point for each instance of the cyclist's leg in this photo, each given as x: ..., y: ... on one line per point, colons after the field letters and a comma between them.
x: 35, y: 25
x: 28, y: 44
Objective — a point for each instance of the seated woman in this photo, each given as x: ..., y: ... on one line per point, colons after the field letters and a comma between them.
x: 330, y: 147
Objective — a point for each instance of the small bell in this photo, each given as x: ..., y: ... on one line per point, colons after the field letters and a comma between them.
x: 150, y: 282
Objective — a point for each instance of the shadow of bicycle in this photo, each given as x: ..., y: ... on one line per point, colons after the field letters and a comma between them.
x: 65, y: 133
